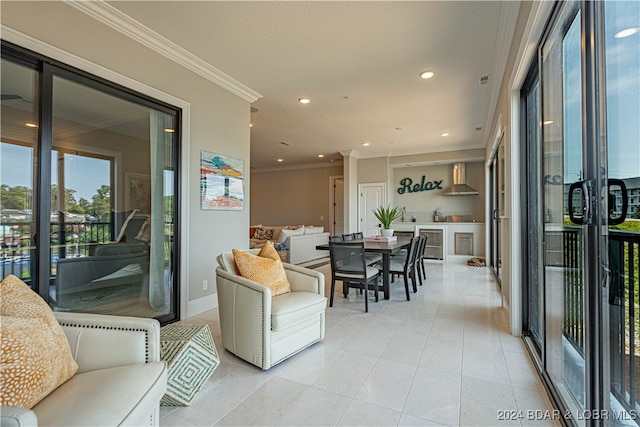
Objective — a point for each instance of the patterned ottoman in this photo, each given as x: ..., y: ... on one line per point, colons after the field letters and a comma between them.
x: 191, y: 357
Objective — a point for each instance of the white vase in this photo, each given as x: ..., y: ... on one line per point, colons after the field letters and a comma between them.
x: 387, y: 232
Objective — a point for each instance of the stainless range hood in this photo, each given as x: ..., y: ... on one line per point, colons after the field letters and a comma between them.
x: 459, y: 187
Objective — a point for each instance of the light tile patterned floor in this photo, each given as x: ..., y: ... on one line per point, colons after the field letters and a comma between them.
x: 444, y: 358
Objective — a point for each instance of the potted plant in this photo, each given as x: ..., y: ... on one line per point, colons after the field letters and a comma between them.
x: 386, y: 215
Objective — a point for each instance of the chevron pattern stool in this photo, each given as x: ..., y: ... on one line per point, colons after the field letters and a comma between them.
x: 191, y: 358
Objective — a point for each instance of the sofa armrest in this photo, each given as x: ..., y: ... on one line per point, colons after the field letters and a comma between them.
x: 102, y: 341
x: 244, y: 307
x: 17, y: 417
x: 304, y: 279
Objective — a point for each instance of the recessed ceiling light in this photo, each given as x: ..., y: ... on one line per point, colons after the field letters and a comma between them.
x: 365, y: 144
x: 31, y: 125
x: 280, y: 159
x: 444, y: 134
x: 304, y: 100
x: 547, y: 122
x: 321, y: 155
x: 169, y: 130
x: 626, y: 33
x: 250, y: 125
x: 427, y: 74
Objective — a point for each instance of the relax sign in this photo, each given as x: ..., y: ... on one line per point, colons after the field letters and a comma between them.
x: 407, y: 185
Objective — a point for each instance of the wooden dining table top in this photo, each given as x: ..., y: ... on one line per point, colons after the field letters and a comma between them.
x: 378, y: 247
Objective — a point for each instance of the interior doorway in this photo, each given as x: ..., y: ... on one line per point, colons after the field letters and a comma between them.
x: 336, y: 201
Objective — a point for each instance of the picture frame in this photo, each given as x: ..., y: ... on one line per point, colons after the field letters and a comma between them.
x: 138, y: 193
x: 221, y: 182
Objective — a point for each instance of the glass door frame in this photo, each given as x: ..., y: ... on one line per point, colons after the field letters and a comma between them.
x: 594, y: 232
x: 47, y: 69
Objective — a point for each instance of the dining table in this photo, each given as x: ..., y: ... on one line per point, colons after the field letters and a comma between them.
x: 386, y: 249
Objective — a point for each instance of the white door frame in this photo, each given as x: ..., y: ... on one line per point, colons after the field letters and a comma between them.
x: 361, y: 189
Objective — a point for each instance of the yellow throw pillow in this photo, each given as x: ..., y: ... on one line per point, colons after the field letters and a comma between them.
x: 35, y: 354
x: 269, y: 251
x: 267, y: 271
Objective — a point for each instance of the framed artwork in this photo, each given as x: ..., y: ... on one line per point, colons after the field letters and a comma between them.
x: 221, y: 182
x: 138, y: 188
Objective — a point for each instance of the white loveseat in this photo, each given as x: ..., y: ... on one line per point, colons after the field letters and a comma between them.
x: 120, y: 379
x: 300, y: 240
x: 265, y: 330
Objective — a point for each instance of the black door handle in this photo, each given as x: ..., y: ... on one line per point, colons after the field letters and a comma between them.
x: 581, y: 216
x: 612, y: 182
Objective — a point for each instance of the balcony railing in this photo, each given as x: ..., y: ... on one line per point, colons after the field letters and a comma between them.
x: 624, y: 306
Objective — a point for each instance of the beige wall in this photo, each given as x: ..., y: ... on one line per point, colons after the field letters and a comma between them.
x: 423, y: 203
x: 218, y: 121
x: 292, y: 197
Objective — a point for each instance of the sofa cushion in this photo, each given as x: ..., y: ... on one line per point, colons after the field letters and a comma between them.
x: 284, y: 234
x: 122, y: 395
x: 267, y: 271
x: 310, y: 229
x: 36, y: 357
x: 287, y: 310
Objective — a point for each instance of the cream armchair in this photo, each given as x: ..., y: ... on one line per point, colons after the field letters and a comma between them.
x: 120, y: 379
x: 265, y: 330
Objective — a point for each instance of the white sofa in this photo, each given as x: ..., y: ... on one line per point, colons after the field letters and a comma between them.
x: 120, y: 379
x: 265, y: 330
x: 301, y: 241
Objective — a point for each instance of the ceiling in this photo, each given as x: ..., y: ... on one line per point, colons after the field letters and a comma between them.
x: 359, y: 64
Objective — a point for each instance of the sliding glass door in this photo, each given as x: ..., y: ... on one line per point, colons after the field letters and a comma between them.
x: 581, y: 105
x: 99, y: 235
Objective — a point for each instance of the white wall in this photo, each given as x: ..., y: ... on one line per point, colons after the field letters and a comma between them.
x: 215, y: 120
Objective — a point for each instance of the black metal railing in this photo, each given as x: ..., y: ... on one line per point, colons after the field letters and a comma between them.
x: 72, y: 239
x: 624, y: 306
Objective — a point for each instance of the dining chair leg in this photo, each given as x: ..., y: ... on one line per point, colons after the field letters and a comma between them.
x: 406, y: 286
x: 424, y: 273
x: 333, y: 288
x: 366, y: 296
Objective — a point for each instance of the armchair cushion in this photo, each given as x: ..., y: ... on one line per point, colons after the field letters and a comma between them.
x: 36, y: 356
x: 266, y: 271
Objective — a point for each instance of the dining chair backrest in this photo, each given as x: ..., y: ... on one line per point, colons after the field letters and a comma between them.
x: 348, y: 260
x: 349, y: 236
x: 336, y: 238
x: 358, y: 235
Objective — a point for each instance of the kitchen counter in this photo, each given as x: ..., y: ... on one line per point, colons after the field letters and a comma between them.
x: 449, y: 230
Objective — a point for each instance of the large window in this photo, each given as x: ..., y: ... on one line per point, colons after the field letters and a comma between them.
x: 89, y: 194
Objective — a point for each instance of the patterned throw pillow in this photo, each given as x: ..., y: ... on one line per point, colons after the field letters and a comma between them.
x: 263, y: 269
x: 263, y: 234
x: 36, y: 357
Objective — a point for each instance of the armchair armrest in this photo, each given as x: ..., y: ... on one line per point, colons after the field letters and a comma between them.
x: 304, y: 279
x: 13, y: 416
x: 244, y: 307
x: 102, y: 341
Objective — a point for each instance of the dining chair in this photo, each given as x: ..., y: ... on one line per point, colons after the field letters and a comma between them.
x: 420, y: 257
x: 371, y: 258
x: 348, y: 236
x: 405, y: 267
x: 336, y: 238
x: 358, y: 235
x: 349, y: 265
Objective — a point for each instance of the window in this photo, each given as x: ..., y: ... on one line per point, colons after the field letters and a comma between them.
x: 101, y: 237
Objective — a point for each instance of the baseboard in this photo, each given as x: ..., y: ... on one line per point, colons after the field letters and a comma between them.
x: 201, y: 305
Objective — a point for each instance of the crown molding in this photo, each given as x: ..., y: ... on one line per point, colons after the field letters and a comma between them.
x: 119, y: 21
x: 336, y: 163
x: 430, y: 150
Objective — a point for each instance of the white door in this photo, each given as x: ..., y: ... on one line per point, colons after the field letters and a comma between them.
x: 337, y: 225
x: 371, y: 197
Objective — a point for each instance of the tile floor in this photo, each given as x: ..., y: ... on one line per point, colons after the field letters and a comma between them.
x: 444, y: 358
